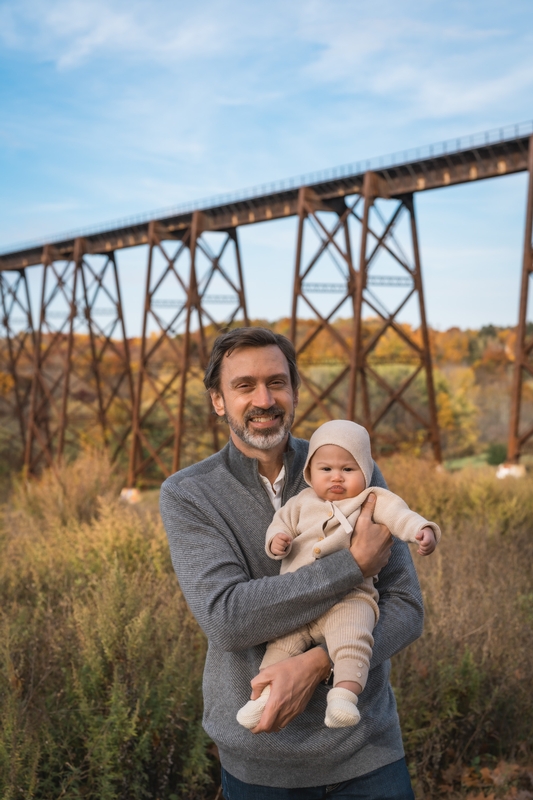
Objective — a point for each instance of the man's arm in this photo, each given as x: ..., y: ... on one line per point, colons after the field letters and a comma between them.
x: 234, y: 611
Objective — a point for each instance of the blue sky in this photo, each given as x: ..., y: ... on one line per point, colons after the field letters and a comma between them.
x: 111, y: 108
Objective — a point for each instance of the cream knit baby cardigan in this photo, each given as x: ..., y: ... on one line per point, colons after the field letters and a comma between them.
x: 320, y: 527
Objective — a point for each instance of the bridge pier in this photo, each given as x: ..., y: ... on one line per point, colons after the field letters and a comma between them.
x: 518, y: 435
x: 16, y: 330
x: 73, y: 346
x: 178, y: 328
x: 363, y: 388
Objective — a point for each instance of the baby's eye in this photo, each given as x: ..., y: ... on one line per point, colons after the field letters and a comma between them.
x: 326, y: 469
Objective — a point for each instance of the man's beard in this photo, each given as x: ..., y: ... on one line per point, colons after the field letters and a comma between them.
x: 263, y: 439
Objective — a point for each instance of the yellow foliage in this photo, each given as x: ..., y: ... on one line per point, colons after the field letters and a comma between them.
x: 6, y: 383
x: 457, y: 413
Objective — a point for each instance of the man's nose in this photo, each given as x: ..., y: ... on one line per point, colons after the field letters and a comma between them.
x: 262, y: 396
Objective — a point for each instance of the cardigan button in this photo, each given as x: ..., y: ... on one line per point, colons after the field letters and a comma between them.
x: 317, y: 551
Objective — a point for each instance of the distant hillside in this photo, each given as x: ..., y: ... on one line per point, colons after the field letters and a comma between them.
x: 472, y: 372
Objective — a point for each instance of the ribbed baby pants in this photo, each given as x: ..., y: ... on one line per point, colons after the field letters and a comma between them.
x: 346, y: 629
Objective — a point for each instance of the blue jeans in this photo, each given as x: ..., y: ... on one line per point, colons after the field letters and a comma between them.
x: 386, y: 783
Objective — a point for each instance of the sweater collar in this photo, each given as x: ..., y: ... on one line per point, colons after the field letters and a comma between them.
x: 246, y: 469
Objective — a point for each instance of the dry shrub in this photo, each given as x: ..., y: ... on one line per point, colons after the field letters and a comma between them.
x: 101, y: 661
x: 70, y: 492
x: 464, y: 689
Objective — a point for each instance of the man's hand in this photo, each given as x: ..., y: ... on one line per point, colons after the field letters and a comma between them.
x: 371, y: 543
x: 280, y: 544
x: 292, y: 683
x: 426, y: 541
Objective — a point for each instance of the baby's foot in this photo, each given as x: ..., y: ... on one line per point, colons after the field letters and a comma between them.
x: 342, y: 709
x: 250, y: 714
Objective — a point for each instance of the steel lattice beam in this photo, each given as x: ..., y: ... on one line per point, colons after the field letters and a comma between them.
x: 487, y: 156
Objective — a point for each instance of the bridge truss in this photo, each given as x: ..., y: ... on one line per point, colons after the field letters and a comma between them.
x: 70, y: 375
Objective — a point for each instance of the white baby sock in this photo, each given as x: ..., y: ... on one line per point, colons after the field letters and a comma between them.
x: 250, y: 714
x: 342, y: 709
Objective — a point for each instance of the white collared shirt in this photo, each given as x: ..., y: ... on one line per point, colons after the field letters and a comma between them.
x: 275, y: 490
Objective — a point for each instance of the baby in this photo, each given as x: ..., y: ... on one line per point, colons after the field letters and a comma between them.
x: 318, y: 521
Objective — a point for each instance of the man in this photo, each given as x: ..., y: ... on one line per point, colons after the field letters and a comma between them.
x: 216, y: 514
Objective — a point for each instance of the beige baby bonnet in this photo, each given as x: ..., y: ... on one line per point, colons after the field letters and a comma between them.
x: 349, y: 435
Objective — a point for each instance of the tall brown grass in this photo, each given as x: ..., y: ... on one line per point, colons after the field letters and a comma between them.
x: 101, y: 662
x: 464, y: 689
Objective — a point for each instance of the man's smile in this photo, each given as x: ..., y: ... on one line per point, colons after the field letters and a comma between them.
x: 264, y: 418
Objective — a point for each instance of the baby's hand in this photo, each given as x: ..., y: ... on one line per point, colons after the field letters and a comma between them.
x: 280, y: 544
x: 426, y: 540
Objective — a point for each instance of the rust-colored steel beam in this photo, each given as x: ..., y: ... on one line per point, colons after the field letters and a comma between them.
x: 450, y: 163
x: 524, y: 344
x: 80, y: 337
x: 426, y: 360
x: 185, y: 277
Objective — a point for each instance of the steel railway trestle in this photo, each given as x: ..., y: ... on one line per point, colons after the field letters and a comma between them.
x: 72, y: 371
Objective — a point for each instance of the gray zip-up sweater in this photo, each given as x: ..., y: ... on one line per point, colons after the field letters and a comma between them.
x: 216, y: 514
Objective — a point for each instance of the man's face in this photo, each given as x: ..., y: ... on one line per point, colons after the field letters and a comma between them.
x: 256, y: 396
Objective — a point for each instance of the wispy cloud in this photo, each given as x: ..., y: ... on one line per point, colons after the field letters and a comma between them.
x: 404, y: 53
x: 70, y: 32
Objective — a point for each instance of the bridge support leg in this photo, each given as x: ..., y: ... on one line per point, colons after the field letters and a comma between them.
x: 374, y: 357
x: 321, y: 398
x: 433, y: 428
x: 16, y: 355
x: 369, y: 338
x: 71, y: 404
x: 170, y: 413
x: 44, y: 419
x: 524, y: 344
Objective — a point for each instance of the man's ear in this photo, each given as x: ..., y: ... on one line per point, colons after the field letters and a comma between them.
x: 218, y: 402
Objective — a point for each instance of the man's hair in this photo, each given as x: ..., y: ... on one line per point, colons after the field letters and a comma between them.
x: 226, y: 343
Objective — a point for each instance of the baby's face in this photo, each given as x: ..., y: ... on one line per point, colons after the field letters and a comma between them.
x: 335, y: 474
